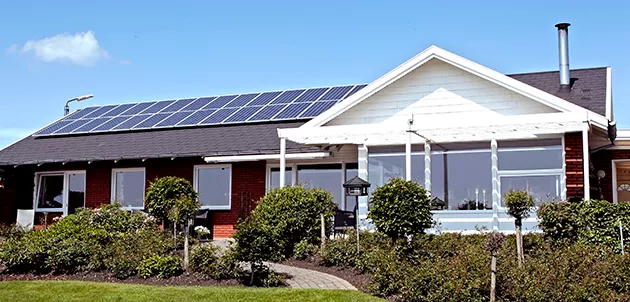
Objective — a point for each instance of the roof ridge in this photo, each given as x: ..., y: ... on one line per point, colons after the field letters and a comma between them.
x: 555, y: 71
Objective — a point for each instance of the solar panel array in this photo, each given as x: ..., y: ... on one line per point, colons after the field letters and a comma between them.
x: 203, y: 111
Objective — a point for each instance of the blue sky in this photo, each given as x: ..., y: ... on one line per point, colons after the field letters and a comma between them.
x: 127, y: 51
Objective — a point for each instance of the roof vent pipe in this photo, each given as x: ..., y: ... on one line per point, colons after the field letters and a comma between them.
x: 563, y: 52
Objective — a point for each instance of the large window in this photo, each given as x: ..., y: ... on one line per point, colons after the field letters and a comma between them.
x: 274, y: 178
x: 214, y: 184
x: 326, y: 176
x: 60, y: 192
x: 383, y: 166
x: 128, y: 187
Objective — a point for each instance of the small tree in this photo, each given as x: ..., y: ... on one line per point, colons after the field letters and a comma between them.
x: 400, y: 208
x: 493, y: 245
x: 183, y: 211
x: 519, y: 203
x: 255, y: 243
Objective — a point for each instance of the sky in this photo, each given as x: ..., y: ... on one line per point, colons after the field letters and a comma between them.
x: 129, y: 51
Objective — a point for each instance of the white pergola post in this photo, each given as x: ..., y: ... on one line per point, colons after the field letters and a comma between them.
x: 363, y: 173
x: 408, y: 157
x: 283, y: 160
x: 496, y: 185
x: 427, y: 166
x: 586, y: 162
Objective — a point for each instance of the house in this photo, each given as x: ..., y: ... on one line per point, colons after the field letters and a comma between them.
x: 465, y: 132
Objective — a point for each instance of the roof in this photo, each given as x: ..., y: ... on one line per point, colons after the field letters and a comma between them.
x: 185, y: 142
x: 588, y: 86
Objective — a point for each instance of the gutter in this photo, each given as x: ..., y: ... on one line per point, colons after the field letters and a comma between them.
x: 612, y: 136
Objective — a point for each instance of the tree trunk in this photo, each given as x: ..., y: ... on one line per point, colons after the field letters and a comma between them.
x: 186, y: 230
x: 519, y: 242
x: 323, y: 231
x: 251, y: 279
x: 175, y: 235
x: 493, y: 278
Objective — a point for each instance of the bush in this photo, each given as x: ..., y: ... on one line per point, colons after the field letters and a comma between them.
x: 519, y: 203
x: 206, y: 260
x: 589, y: 222
x: 304, y: 250
x: 266, y: 277
x: 282, y: 219
x: 400, y: 208
x: 12, y: 230
x: 159, y: 266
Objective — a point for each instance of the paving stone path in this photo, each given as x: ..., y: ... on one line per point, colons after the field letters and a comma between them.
x: 304, y: 278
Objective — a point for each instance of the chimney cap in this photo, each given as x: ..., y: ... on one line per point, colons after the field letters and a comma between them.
x: 563, y: 25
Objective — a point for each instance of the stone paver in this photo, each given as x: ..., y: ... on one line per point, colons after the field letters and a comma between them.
x: 304, y: 278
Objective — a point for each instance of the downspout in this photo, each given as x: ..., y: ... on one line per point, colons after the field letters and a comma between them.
x: 612, y: 136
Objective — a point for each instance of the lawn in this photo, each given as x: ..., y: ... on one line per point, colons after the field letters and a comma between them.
x: 33, y: 291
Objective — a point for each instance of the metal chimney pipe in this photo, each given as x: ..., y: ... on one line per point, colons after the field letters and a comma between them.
x: 563, y: 52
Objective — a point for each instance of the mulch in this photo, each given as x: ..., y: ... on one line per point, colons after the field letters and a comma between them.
x: 359, y: 280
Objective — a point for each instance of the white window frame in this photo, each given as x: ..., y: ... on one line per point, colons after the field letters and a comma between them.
x: 614, y: 178
x: 196, y: 184
x: 65, y: 192
x: 144, y: 182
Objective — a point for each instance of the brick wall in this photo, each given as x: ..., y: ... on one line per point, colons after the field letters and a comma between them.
x: 574, y: 164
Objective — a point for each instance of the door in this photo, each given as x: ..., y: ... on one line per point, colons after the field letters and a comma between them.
x: 621, y: 181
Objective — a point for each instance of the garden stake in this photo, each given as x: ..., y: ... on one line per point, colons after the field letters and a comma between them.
x: 323, y: 230
x: 621, y: 236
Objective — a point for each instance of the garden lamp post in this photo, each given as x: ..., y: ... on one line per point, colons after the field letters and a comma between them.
x: 356, y: 187
x: 66, y: 109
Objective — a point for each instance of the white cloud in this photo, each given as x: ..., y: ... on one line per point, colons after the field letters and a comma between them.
x: 80, y: 48
x: 13, y: 49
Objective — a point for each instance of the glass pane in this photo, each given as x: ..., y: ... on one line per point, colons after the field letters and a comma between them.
x: 544, y: 188
x: 130, y: 188
x: 327, y: 177
x: 213, y: 185
x: 351, y: 201
x: 275, y: 177
x: 462, y: 181
x: 530, y: 159
x: 382, y: 168
x: 76, y: 192
x: 50, y: 190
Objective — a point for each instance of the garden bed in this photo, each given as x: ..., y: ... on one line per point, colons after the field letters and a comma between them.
x: 359, y: 280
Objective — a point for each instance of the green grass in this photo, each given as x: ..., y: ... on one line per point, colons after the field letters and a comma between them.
x: 34, y: 291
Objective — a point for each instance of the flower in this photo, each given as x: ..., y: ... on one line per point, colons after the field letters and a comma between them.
x: 58, y: 218
x: 149, y: 218
x: 202, y: 230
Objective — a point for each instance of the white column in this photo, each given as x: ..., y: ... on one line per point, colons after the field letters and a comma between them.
x: 586, y: 162
x: 427, y: 166
x: 408, y: 157
x: 283, y: 159
x: 363, y: 173
x: 496, y: 186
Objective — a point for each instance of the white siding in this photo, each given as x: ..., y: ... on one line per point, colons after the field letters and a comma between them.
x: 439, y: 92
x: 347, y: 154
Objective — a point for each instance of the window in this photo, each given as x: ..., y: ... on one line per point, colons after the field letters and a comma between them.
x: 326, y: 176
x: 214, y: 185
x: 352, y: 170
x: 60, y: 192
x: 383, y: 166
x: 536, y: 169
x: 128, y: 187
x: 274, y: 181
x: 462, y: 180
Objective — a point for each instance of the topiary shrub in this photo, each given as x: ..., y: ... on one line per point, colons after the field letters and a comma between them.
x: 400, y: 208
x: 519, y: 203
x: 159, y: 266
x: 163, y: 193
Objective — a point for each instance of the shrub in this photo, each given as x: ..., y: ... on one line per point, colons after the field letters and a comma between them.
x: 519, y: 203
x: 304, y: 249
x: 12, y: 230
x: 400, y: 208
x: 159, y: 266
x: 283, y: 218
x: 266, y: 277
x: 205, y: 259
x: 163, y: 193
x: 559, y: 221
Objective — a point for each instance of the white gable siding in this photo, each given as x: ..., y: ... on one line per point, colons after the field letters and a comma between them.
x: 439, y: 92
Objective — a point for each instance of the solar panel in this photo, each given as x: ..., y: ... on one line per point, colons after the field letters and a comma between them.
x: 174, y: 119
x: 138, y: 108
x: 118, y: 110
x: 287, y: 96
x: 91, y: 125
x: 82, y: 113
x: 311, y: 95
x: 291, y: 111
x: 152, y: 121
x: 317, y: 108
x: 131, y: 122
x: 214, y: 110
x: 198, y: 103
x: 336, y: 93
x: 265, y: 98
x: 111, y: 123
x: 219, y: 116
x: 267, y: 112
x: 242, y: 114
x: 196, y: 117
x: 242, y: 100
x: 157, y: 107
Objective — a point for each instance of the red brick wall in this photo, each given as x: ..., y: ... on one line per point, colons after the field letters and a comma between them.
x: 574, y: 164
x: 98, y: 178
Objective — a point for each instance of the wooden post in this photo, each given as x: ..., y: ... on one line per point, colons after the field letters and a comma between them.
x: 493, y: 278
x: 186, y: 245
x: 323, y: 231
